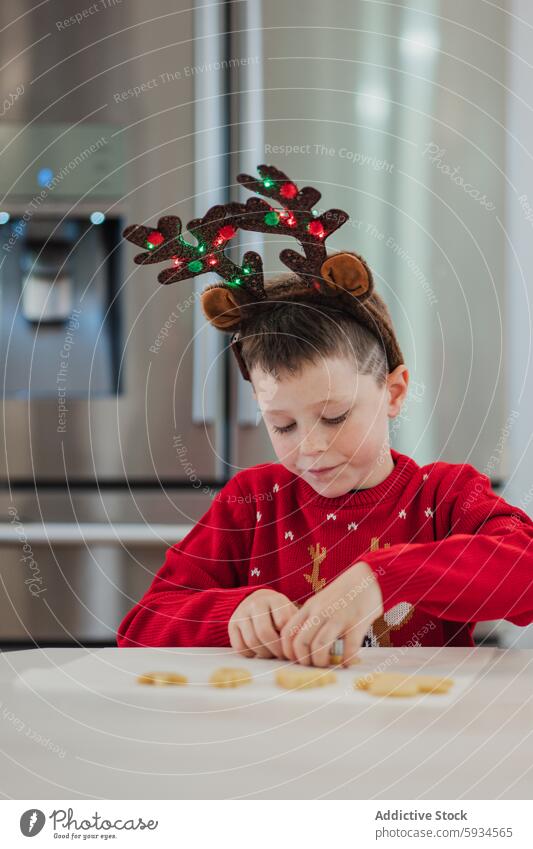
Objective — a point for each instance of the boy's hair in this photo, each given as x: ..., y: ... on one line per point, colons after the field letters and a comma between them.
x: 282, y: 336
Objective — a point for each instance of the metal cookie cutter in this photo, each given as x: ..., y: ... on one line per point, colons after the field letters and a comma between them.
x: 336, y: 652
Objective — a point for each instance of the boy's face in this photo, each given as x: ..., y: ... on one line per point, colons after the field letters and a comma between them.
x: 330, y: 417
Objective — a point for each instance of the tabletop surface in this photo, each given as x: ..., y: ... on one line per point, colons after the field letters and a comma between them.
x: 80, y: 743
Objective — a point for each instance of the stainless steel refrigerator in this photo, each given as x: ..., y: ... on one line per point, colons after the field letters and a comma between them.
x: 123, y: 413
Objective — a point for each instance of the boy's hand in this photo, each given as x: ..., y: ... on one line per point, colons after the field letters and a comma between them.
x: 345, y: 608
x: 254, y: 628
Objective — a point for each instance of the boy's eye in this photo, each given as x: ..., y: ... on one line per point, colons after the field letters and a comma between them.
x: 285, y: 429
x: 335, y: 421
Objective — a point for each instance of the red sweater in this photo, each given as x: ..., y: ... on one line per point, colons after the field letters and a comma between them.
x: 446, y: 550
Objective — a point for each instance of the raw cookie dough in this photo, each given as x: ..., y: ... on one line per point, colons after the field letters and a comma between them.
x: 228, y: 676
x: 161, y: 678
x: 303, y: 679
x: 394, y: 684
x: 433, y: 684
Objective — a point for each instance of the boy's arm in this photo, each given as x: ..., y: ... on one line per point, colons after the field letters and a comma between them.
x: 479, y: 568
x: 203, y: 579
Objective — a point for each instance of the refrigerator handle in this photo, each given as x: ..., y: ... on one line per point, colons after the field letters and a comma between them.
x: 210, y: 188
x: 247, y: 28
x: 208, y: 361
x: 94, y: 533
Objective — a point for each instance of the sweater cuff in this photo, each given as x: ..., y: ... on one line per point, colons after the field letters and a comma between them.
x: 223, y: 609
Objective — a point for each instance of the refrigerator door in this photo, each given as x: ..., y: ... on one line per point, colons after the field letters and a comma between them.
x: 114, y: 427
x: 142, y: 392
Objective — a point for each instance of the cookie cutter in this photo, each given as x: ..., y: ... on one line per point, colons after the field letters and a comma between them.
x: 336, y: 652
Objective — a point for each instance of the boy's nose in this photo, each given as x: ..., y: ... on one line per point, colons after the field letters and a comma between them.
x: 313, y: 445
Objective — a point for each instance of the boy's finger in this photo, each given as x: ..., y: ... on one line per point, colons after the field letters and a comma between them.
x: 353, y: 639
x: 267, y: 634
x: 321, y: 645
x: 282, y: 612
x: 264, y: 653
x: 289, y: 632
x: 238, y: 643
x: 252, y: 639
x: 248, y: 634
x: 303, y: 640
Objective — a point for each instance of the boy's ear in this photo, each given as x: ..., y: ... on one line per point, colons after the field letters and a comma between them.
x: 397, y: 385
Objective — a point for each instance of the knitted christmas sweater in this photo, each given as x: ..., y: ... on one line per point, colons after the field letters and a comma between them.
x: 446, y: 550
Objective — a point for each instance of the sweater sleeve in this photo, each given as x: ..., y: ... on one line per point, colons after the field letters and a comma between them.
x: 480, y: 566
x: 201, y: 583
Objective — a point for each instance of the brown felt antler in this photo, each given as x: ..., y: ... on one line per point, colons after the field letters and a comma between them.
x: 211, y: 232
x: 298, y: 219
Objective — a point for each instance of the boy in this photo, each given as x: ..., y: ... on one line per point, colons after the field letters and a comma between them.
x: 344, y: 537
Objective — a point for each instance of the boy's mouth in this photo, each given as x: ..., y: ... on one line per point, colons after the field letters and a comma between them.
x: 322, y: 472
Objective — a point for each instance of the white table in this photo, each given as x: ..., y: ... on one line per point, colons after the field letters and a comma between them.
x: 479, y: 747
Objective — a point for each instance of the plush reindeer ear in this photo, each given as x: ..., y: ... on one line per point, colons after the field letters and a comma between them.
x: 220, y: 307
x: 345, y: 271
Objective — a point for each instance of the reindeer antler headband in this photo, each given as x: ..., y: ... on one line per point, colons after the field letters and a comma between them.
x: 343, y: 279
